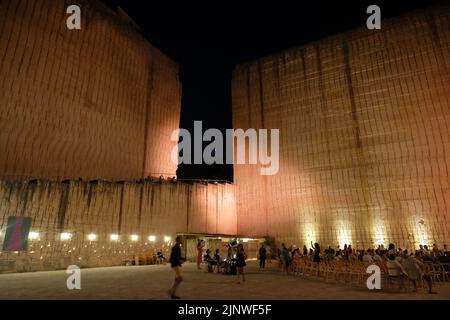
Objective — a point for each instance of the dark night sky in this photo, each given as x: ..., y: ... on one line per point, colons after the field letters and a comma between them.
x: 208, y: 39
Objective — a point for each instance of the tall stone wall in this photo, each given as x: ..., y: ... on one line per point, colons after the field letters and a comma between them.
x: 364, y: 137
x: 95, y: 103
x: 160, y: 209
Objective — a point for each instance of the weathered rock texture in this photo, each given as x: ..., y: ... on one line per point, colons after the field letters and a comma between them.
x: 95, y: 103
x: 364, y: 137
x: 81, y: 208
x: 98, y: 104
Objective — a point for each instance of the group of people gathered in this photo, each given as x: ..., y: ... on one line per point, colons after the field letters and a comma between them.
x: 236, y: 256
x: 397, y: 262
x: 351, y: 254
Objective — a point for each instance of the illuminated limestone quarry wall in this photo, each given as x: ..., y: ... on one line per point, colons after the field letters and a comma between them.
x: 364, y: 122
x: 95, y: 103
x: 98, y: 104
x: 154, y: 208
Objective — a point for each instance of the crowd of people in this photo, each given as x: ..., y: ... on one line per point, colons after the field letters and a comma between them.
x: 235, y: 259
x: 396, y: 262
x: 352, y: 254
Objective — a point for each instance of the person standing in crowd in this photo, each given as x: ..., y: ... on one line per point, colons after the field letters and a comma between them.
x: 280, y: 260
x: 262, y: 256
x: 175, y: 262
x: 240, y: 262
x: 305, y: 251
x: 295, y: 252
x: 217, y: 255
x: 391, y: 249
x: 445, y: 251
x: 217, y: 261
x: 200, y: 245
x: 316, y: 252
x: 285, y: 258
x: 349, y: 252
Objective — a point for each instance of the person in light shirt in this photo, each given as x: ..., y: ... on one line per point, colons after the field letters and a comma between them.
x: 396, y: 270
x: 376, y: 256
x: 416, y: 271
x: 367, y: 258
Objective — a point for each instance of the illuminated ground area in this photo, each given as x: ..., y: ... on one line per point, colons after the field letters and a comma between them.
x: 151, y: 282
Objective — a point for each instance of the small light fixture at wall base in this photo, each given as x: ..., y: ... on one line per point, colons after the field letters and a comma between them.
x: 65, y: 236
x: 33, y: 235
x: 92, y: 237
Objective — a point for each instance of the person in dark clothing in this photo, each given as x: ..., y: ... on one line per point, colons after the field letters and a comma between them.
x: 262, y: 257
x: 160, y: 255
x: 210, y: 262
x: 175, y: 262
x: 207, y: 256
x: 316, y: 252
x: 286, y: 258
x: 217, y: 256
x: 216, y: 261
x: 305, y: 251
x: 240, y: 262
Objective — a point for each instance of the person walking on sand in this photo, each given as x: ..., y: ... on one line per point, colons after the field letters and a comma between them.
x: 240, y: 262
x: 175, y: 262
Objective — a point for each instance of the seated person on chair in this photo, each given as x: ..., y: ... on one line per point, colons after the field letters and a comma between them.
x: 395, y: 269
x: 416, y: 271
x: 207, y: 258
x: 161, y: 257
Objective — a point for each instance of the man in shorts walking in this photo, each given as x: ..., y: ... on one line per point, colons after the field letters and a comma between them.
x: 175, y: 263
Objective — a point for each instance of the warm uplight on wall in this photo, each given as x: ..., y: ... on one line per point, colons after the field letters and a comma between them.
x: 167, y: 238
x: 114, y: 237
x: 309, y: 231
x: 66, y: 236
x: 152, y: 238
x: 344, y: 241
x: 33, y: 236
x: 92, y: 237
x: 134, y: 237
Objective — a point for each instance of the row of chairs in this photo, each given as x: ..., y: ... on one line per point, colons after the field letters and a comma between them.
x: 355, y: 273
x: 334, y: 271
